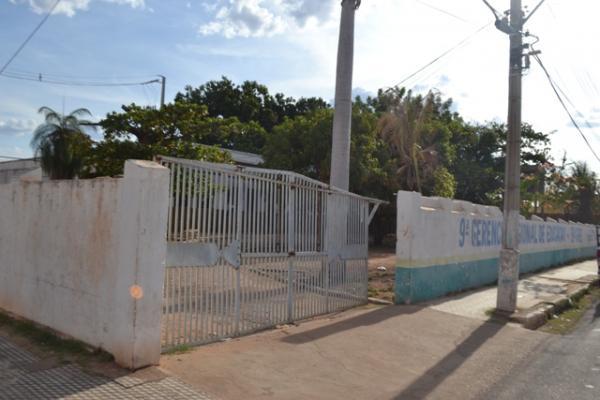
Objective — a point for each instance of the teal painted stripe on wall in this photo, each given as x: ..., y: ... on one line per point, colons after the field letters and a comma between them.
x: 414, y: 285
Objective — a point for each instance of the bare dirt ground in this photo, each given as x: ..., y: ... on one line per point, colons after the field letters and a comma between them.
x: 381, y: 283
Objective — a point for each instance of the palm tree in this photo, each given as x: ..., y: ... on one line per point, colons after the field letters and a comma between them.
x: 60, y: 142
x: 403, y: 128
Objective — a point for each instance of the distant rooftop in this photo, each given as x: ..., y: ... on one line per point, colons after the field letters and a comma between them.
x: 241, y: 157
x: 13, y: 169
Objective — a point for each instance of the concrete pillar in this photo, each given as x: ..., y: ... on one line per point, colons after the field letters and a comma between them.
x: 141, y: 258
x: 342, y: 120
x: 408, y: 215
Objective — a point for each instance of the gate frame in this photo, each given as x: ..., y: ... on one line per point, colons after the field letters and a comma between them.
x: 248, y: 181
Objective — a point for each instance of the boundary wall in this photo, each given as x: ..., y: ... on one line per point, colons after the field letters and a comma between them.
x: 446, y: 246
x: 86, y: 258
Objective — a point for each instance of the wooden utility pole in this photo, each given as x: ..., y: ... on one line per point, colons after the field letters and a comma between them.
x: 342, y: 120
x: 508, y: 273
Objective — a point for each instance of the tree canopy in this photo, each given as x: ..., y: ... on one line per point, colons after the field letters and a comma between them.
x: 248, y: 102
x: 401, y: 140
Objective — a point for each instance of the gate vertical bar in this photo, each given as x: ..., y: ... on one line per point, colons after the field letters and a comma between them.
x: 291, y: 242
x: 238, y: 238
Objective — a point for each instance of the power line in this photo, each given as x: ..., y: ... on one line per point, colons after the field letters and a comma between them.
x: 579, y: 114
x: 560, y: 99
x: 37, y: 28
x: 534, y: 10
x: 443, y: 11
x: 567, y: 98
x: 40, y: 78
x: 18, y: 71
x: 496, y: 13
x: 438, y: 58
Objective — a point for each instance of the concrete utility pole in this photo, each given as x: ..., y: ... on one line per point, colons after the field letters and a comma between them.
x: 163, y: 83
x: 508, y: 273
x: 342, y: 120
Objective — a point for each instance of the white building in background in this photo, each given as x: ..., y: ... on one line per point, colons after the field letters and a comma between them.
x: 16, y: 169
x: 247, y: 159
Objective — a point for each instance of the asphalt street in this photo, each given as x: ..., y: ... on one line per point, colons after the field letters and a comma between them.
x: 565, y: 367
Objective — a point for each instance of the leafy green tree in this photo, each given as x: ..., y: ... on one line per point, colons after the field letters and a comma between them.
x: 478, y: 167
x: 480, y: 158
x: 248, y: 102
x: 444, y: 184
x: 178, y: 129
x: 303, y: 144
x: 107, y: 158
x: 181, y: 121
x: 61, y: 143
x: 584, y: 187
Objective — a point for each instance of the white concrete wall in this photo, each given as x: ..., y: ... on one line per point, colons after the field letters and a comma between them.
x: 444, y: 246
x: 438, y: 231
x: 73, y: 254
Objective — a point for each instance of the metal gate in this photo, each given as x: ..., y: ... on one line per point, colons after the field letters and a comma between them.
x: 251, y: 248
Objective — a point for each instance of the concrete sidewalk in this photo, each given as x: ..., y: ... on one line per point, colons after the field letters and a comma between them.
x: 441, y: 350
x: 536, y: 292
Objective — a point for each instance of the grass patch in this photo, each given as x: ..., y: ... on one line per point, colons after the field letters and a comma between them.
x: 64, y: 349
x: 179, y: 349
x: 566, y: 321
x: 490, y: 312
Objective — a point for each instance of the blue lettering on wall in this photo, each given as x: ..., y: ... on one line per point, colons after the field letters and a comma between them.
x: 488, y: 233
x: 481, y: 232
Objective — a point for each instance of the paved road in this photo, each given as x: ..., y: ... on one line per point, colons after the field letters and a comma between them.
x: 567, y: 367
x: 24, y: 376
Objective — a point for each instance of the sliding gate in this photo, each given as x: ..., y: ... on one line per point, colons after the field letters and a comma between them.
x: 252, y: 248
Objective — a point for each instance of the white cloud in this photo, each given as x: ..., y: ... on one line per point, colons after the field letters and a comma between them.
x: 70, y: 7
x: 17, y: 127
x: 131, y: 3
x: 256, y: 18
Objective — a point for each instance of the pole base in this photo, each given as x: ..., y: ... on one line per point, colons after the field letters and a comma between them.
x: 508, y: 280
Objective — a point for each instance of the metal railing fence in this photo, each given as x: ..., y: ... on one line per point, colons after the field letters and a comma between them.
x: 252, y: 248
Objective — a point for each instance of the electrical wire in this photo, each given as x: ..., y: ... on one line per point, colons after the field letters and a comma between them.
x: 438, y: 58
x: 40, y: 78
x: 19, y: 71
x: 562, y: 102
x: 492, y: 9
x: 22, y: 46
x: 442, y: 11
x: 579, y: 114
x: 534, y: 11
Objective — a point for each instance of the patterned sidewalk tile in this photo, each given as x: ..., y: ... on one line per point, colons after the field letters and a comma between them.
x: 19, y: 380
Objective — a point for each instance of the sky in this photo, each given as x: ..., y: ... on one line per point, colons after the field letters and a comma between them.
x: 291, y: 46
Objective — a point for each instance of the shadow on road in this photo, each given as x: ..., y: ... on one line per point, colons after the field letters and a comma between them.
x: 369, y: 318
x: 434, y: 376
x: 597, y: 311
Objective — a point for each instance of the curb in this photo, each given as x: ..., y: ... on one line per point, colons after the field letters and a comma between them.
x: 537, y: 316
x: 381, y: 302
